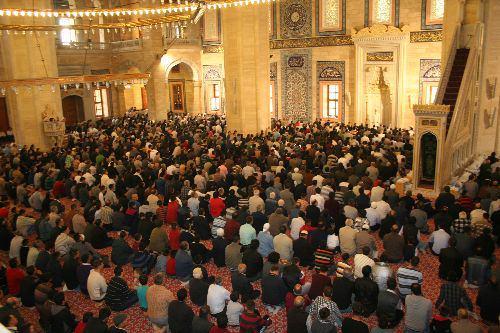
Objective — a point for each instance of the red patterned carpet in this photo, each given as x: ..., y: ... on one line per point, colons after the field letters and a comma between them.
x: 137, y: 321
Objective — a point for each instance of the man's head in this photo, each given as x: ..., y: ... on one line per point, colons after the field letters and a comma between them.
x: 416, y: 289
x: 242, y: 268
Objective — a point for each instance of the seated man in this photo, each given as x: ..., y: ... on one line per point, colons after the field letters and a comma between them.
x: 119, y: 296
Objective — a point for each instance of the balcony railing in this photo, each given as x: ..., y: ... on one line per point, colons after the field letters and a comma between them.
x: 127, y: 45
x: 168, y: 41
x: 83, y: 46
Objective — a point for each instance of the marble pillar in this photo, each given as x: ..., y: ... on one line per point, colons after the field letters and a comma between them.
x: 29, y: 56
x: 246, y: 66
x: 157, y: 91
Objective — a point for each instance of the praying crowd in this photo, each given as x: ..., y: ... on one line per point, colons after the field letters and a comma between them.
x: 302, y: 228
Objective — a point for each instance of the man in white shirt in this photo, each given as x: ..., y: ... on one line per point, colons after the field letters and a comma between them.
x: 297, y: 223
x: 373, y: 216
x: 15, y: 246
x: 96, y: 284
x: 33, y: 254
x: 318, y: 198
x: 383, y: 208
x: 438, y: 240
x: 217, y: 296
x: 64, y: 242
x: 477, y: 214
x: 361, y: 260
x: 283, y: 244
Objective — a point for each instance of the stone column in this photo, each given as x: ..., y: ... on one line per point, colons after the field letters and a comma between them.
x: 246, y: 65
x: 30, y: 56
x: 157, y: 90
x: 198, y: 97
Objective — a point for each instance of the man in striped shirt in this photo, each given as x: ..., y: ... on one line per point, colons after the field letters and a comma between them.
x: 406, y: 276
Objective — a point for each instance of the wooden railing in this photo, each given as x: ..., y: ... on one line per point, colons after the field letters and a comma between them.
x: 459, y: 148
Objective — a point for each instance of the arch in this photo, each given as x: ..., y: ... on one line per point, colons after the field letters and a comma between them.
x: 428, y: 159
x: 73, y: 111
x: 169, y: 62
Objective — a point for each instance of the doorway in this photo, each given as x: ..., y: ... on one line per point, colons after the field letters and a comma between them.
x: 181, y: 88
x: 73, y: 110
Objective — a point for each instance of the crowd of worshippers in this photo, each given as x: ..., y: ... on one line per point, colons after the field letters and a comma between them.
x: 183, y: 193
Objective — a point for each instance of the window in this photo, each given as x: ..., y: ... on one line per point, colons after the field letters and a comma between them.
x: 215, y: 99
x: 67, y: 35
x: 331, y: 100
x: 101, y: 103
x: 330, y: 15
x: 382, y: 12
x: 434, y: 13
x: 430, y: 93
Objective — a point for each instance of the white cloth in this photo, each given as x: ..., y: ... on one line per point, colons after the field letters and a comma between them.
x: 216, y: 298
x: 96, y: 286
x: 332, y: 241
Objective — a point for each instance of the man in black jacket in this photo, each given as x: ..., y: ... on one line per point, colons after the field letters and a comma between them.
x: 28, y: 285
x: 253, y: 261
x: 62, y: 319
x: 389, y: 305
x: 121, y: 252
x: 219, y: 249
x: 242, y: 285
x: 342, y: 289
x: 450, y: 261
x: 297, y: 317
x: 98, y: 325
x: 366, y: 292
x: 180, y: 315
x: 198, y: 288
x: 303, y: 250
x: 69, y: 269
x: 273, y: 288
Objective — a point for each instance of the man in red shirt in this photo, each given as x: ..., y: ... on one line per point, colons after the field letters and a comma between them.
x: 172, y: 210
x: 217, y: 205
x: 4, y: 210
x: 174, y: 236
x: 14, y: 276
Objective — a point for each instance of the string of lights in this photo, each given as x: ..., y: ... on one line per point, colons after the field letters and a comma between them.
x: 172, y: 7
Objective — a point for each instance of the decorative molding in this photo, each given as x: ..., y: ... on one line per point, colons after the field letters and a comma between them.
x: 218, y: 19
x: 379, y: 31
x: 340, y: 31
x: 340, y: 40
x: 426, y: 36
x: 295, y: 18
x: 213, y: 49
x: 380, y: 56
x: 436, y: 110
x: 212, y: 72
x: 273, y: 24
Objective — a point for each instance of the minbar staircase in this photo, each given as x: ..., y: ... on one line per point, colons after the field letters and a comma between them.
x: 453, y: 86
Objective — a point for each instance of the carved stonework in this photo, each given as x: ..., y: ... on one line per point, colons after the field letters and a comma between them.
x: 380, y: 56
x: 380, y: 31
x: 213, y: 49
x: 296, y: 18
x: 212, y: 72
x: 426, y: 36
x: 437, y: 110
x: 273, y: 71
x: 491, y: 111
x: 341, y: 40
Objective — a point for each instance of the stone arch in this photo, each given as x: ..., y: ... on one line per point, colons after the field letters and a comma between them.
x: 169, y: 62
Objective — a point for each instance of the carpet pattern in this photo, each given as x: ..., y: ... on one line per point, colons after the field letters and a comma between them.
x: 137, y: 321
